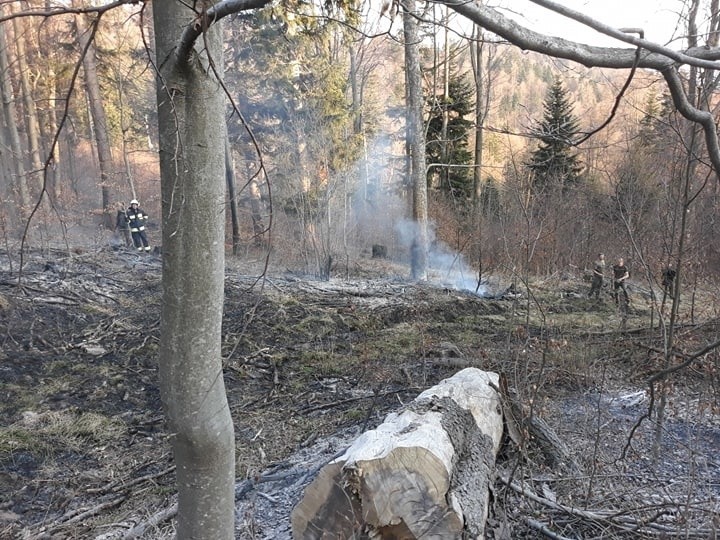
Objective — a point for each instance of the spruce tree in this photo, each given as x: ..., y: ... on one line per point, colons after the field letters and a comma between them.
x: 453, y: 151
x: 553, y: 163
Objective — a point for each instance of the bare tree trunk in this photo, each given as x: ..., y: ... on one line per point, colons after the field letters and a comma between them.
x: 31, y: 117
x: 416, y: 142
x: 192, y: 164
x: 256, y: 214
x: 446, y: 98
x: 19, y: 183
x: 50, y: 123
x: 481, y: 104
x: 232, y: 199
x: 99, y: 119
x: 701, y: 85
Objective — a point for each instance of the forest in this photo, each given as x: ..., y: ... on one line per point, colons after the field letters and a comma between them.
x: 317, y: 143
x: 345, y: 204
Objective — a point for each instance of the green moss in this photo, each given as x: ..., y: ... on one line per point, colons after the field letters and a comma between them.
x: 45, y: 433
x: 355, y: 415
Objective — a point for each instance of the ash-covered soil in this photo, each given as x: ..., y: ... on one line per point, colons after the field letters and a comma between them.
x: 310, y: 364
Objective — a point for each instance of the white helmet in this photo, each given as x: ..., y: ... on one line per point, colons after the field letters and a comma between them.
x: 134, y: 201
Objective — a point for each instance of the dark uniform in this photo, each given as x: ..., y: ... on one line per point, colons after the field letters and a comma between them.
x: 669, y: 280
x: 136, y: 221
x: 121, y: 224
x: 597, y: 276
x: 620, y: 275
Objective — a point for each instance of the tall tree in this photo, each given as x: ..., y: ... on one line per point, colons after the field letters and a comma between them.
x: 19, y: 185
x: 448, y: 133
x: 415, y: 141
x: 32, y: 124
x: 99, y: 122
x: 554, y: 163
x: 191, y: 118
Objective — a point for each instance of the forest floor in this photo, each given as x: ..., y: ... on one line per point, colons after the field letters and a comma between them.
x: 310, y: 364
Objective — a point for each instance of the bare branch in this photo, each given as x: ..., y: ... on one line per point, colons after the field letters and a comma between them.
x: 657, y: 57
x: 66, y: 9
x: 210, y: 17
x: 704, y: 118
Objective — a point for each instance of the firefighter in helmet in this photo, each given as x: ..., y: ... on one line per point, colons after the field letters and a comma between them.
x: 136, y: 220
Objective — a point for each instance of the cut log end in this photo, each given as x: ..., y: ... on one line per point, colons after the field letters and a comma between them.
x: 408, y: 478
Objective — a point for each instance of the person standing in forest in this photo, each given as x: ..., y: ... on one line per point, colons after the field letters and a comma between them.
x: 597, y: 276
x: 620, y: 275
x: 668, y: 280
x: 136, y: 220
x: 122, y: 226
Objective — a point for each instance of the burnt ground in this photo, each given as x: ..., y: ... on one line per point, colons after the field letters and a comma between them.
x: 310, y: 364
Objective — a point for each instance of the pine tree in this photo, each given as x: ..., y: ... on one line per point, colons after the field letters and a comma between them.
x: 454, y: 151
x: 553, y: 163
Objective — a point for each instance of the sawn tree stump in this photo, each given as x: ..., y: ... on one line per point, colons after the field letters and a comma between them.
x: 423, y: 473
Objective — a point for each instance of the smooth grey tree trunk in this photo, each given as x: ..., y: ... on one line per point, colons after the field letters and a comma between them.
x: 19, y: 182
x: 192, y: 133
x: 416, y: 142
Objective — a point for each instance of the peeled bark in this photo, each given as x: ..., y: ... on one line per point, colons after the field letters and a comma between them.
x: 423, y: 473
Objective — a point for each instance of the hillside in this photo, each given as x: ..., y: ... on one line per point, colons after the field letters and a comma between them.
x: 310, y: 364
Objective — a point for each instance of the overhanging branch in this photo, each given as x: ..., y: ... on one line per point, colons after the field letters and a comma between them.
x: 657, y: 57
x: 207, y: 18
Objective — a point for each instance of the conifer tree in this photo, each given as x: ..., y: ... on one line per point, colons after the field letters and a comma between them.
x: 454, y: 150
x: 553, y: 163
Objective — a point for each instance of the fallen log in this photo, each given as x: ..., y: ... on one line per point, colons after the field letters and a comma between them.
x: 423, y: 473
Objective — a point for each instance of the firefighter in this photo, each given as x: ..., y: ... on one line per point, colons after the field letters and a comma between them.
x: 136, y: 220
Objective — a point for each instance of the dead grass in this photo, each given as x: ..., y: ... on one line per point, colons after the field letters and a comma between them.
x: 303, y: 360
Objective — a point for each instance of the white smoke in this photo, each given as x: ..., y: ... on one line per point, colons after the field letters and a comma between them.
x: 381, y: 208
x: 446, y: 267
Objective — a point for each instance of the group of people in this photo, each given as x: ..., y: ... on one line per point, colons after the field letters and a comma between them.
x: 620, y: 275
x: 131, y: 222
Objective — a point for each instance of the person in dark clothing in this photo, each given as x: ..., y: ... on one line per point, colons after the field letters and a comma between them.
x: 620, y: 276
x: 668, y: 280
x: 597, y: 276
x: 121, y: 225
x: 136, y: 221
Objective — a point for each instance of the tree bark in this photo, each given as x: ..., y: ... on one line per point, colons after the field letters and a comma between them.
x: 19, y: 182
x: 99, y: 119
x: 423, y: 473
x: 416, y: 142
x: 31, y: 117
x: 232, y: 199
x: 192, y: 165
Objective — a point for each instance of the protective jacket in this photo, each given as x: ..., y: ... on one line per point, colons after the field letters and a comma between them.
x: 136, y: 219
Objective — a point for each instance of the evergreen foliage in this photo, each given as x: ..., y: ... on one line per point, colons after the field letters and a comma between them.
x: 554, y: 163
x: 456, y: 181
x: 298, y: 108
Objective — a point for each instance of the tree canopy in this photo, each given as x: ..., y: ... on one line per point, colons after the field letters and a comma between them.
x: 555, y: 163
